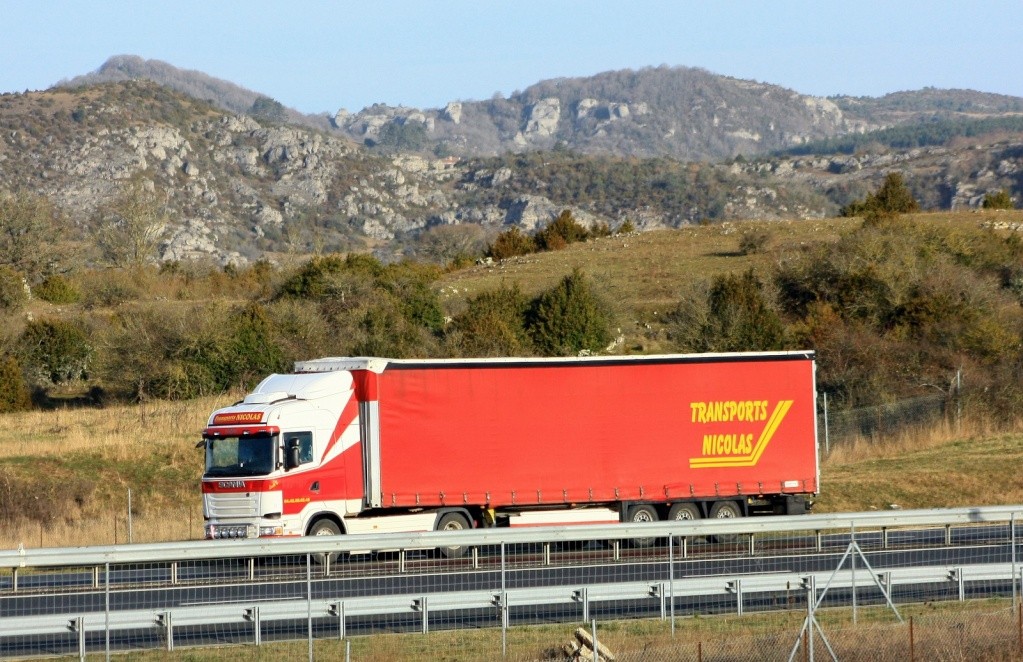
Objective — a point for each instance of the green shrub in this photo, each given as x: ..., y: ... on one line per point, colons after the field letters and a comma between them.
x: 58, y: 290
x: 626, y: 228
x: 55, y: 351
x: 570, y: 318
x: 14, y: 292
x: 997, y: 200
x: 739, y: 317
x: 252, y: 352
x: 314, y: 279
x: 384, y: 330
x: 892, y: 199
x: 510, y: 243
x: 753, y: 241
x: 14, y: 393
x: 560, y: 232
x: 493, y: 324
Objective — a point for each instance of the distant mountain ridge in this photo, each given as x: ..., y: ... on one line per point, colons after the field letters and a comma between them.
x: 237, y: 188
x: 196, y: 84
x: 681, y: 112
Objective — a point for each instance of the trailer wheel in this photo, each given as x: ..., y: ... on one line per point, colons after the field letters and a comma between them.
x: 642, y: 514
x: 452, y: 522
x: 725, y: 510
x: 684, y: 511
x: 324, y: 527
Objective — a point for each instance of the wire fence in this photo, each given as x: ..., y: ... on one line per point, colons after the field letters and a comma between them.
x: 884, y: 422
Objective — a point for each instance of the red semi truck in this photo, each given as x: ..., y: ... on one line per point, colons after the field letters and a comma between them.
x: 351, y: 445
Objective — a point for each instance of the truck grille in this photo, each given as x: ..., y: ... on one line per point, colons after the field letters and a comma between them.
x: 232, y: 505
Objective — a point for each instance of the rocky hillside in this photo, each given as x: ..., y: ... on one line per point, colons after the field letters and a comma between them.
x: 684, y: 113
x: 236, y: 189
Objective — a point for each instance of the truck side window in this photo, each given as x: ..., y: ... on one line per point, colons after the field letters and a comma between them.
x: 305, y: 445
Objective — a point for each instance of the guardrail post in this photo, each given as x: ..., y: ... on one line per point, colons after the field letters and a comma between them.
x: 752, y: 545
x: 616, y: 549
x: 77, y: 625
x: 956, y: 575
x: 165, y: 620
x: 475, y: 558
x: 14, y: 579
x: 503, y: 606
x: 685, y: 546
x: 95, y: 576
x: 546, y: 553
x: 252, y: 569
x: 736, y: 586
x: 174, y: 573
x: 338, y: 609
x: 582, y: 595
x: 423, y: 606
x: 401, y: 561
x: 252, y: 614
x: 820, y: 540
x: 884, y: 537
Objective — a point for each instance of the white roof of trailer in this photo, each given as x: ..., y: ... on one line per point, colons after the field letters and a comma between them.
x: 378, y: 365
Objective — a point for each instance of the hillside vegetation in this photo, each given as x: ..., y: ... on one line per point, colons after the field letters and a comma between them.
x: 895, y: 307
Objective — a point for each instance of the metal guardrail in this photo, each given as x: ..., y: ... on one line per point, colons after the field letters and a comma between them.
x: 738, y: 587
x: 57, y: 557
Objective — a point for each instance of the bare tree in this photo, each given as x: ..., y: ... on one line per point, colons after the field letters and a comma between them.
x: 30, y: 234
x: 130, y: 226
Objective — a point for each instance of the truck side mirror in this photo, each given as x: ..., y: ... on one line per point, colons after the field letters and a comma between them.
x: 291, y: 451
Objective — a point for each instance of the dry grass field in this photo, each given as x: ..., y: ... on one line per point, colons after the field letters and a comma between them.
x: 978, y: 630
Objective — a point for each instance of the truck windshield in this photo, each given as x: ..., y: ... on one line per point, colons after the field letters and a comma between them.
x: 240, y: 456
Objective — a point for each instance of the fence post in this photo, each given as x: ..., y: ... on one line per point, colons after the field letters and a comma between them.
x: 912, y: 646
x: 959, y: 401
x: 129, y: 517
x: 852, y: 559
x: 1012, y: 545
x: 671, y: 582
x: 827, y: 438
x: 309, y: 601
x: 106, y: 611
x: 504, y: 605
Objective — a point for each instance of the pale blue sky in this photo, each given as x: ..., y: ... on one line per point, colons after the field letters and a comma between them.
x: 324, y: 55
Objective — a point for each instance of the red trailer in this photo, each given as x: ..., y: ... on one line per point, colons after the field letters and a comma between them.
x: 368, y: 444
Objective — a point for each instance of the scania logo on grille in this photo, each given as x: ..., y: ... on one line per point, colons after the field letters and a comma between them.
x: 231, y: 484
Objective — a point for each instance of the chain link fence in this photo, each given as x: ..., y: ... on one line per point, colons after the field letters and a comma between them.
x: 884, y: 422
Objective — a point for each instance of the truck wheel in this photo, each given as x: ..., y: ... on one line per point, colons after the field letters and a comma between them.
x: 725, y: 510
x: 324, y: 527
x: 684, y: 511
x: 452, y: 522
x: 642, y: 514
